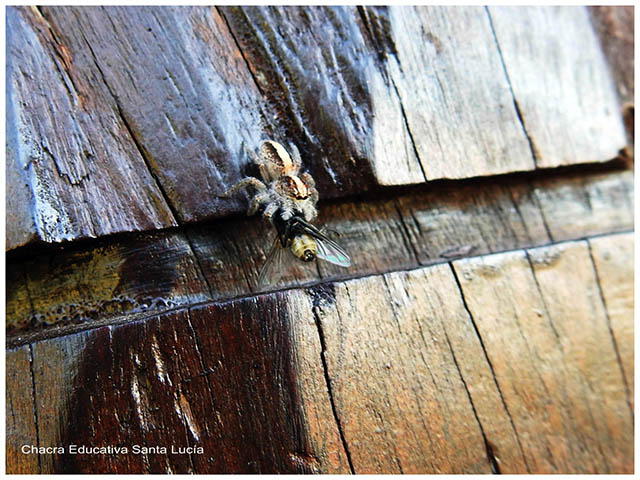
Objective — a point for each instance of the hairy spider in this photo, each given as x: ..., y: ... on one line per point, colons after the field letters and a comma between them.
x: 284, y: 189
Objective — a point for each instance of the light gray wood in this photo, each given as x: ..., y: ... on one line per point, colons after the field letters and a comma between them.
x: 561, y: 82
x: 459, y: 107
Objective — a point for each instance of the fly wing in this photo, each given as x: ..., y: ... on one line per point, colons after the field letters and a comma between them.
x: 331, y: 252
x: 327, y: 249
x: 273, y: 266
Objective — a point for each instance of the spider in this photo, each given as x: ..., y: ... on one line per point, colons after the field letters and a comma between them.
x: 284, y: 189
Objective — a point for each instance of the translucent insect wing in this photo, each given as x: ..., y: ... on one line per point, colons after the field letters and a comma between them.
x: 273, y: 266
x: 332, y: 252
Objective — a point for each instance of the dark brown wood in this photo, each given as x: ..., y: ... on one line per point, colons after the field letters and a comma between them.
x: 615, y: 28
x: 515, y: 372
x: 485, y: 324
x: 76, y: 171
x: 181, y: 90
x: 141, y: 274
x: 220, y: 377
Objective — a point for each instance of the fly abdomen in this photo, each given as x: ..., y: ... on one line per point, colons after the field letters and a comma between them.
x: 304, y: 247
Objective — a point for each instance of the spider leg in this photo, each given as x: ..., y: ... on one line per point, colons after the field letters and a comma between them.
x: 260, y: 199
x: 311, y: 183
x: 255, y: 158
x: 246, y: 182
x: 270, y: 210
x: 295, y: 157
x: 308, y: 179
x: 309, y: 211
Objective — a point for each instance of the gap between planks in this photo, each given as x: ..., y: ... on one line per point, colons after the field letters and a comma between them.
x: 19, y: 340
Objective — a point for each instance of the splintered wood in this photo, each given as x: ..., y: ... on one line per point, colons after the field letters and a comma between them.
x: 371, y: 96
x: 513, y: 363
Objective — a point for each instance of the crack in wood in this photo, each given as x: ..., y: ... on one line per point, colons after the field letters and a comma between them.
x: 141, y: 150
x: 611, y: 333
x: 58, y: 48
x: 532, y: 147
x: 495, y: 465
x: 406, y: 237
x: 242, y: 53
x: 35, y: 405
x: 327, y: 378
x: 198, y: 263
x: 486, y: 356
x: 408, y: 128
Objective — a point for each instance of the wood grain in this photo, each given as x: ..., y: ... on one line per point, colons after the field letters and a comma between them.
x: 589, y: 204
x: 400, y: 393
x: 21, y: 426
x: 613, y: 259
x: 615, y: 28
x: 67, y: 175
x: 501, y: 363
x: 182, y: 89
x: 143, y: 274
x: 543, y: 325
x: 452, y: 87
x: 565, y: 93
x: 323, y: 82
x: 188, y: 364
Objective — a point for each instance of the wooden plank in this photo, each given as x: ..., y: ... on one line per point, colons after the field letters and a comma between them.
x: 79, y: 181
x: 183, y: 88
x: 138, y: 273
x: 569, y: 107
x: 318, y: 71
x: 398, y: 394
x: 182, y: 96
x: 542, y: 323
x: 169, y: 383
x: 379, y: 374
x: 464, y: 220
x: 66, y: 289
x: 459, y: 108
x: 581, y: 205
x: 615, y: 28
x: 613, y: 260
x: 21, y: 426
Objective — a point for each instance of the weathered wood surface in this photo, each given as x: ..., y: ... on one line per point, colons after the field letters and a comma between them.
x: 614, y: 260
x: 545, y: 331
x: 464, y: 337
x: 567, y: 106
x: 615, y: 28
x: 180, y: 89
x: 20, y: 413
x: 502, y: 362
x: 138, y: 274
